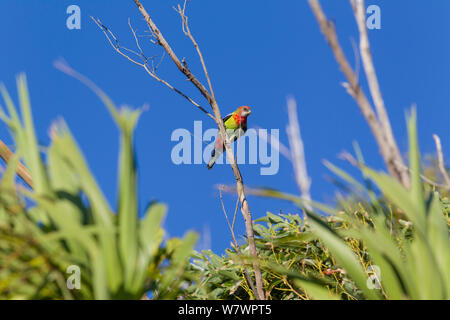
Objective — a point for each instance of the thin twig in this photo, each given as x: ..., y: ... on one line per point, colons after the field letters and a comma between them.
x: 230, y: 226
x: 372, y: 79
x: 144, y: 64
x: 348, y: 157
x: 357, y: 58
x: 235, y: 214
x: 392, y: 158
x: 279, y: 146
x: 6, y: 154
x: 297, y: 150
x: 187, y: 32
x: 441, y: 164
x: 259, y: 293
x: 233, y: 236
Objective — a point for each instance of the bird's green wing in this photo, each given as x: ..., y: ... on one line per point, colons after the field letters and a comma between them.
x: 227, y: 117
x: 230, y: 123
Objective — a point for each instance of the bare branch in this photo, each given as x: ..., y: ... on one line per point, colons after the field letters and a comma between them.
x: 357, y: 58
x: 162, y: 42
x: 441, y: 164
x: 366, y: 56
x: 144, y: 64
x: 391, y: 156
x: 6, y: 154
x: 297, y: 150
x: 229, y: 152
x: 233, y: 235
x: 348, y: 157
x: 280, y: 147
x: 187, y: 32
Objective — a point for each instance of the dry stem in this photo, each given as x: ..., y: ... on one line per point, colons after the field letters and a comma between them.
x: 297, y: 150
x: 441, y: 161
x: 6, y: 154
x: 209, y: 96
x: 233, y: 236
x: 378, y: 123
x: 114, y: 42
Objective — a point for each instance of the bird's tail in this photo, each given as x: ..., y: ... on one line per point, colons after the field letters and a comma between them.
x: 212, y: 160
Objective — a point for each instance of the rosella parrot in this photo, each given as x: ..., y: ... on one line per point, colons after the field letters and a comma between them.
x: 236, y: 126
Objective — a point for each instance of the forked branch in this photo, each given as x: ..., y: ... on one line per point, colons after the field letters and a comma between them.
x: 378, y: 121
x: 441, y: 164
x: 209, y: 96
x: 141, y: 60
x: 6, y: 154
x: 235, y: 243
x: 297, y: 150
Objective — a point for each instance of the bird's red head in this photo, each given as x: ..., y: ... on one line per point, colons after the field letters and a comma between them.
x: 244, y: 111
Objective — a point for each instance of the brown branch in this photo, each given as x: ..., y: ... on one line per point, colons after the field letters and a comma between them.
x: 297, y: 150
x: 114, y: 42
x: 233, y: 236
x: 441, y: 164
x: 390, y: 155
x: 348, y: 157
x: 218, y: 119
x: 187, y: 32
x: 6, y: 154
x: 281, y: 148
x: 162, y: 42
x: 374, y: 87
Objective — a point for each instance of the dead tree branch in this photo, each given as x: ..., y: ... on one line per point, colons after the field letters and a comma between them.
x: 144, y: 61
x: 235, y: 243
x: 441, y: 164
x: 280, y: 147
x: 187, y: 32
x: 297, y: 150
x: 209, y: 96
x: 6, y: 154
x: 348, y: 157
x: 366, y: 56
x: 378, y: 123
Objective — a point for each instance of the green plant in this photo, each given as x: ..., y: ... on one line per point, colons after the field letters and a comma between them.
x: 393, y: 245
x: 288, y: 251
x: 66, y: 220
x: 413, y: 265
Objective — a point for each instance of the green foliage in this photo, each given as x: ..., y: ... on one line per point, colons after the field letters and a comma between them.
x: 395, y: 246
x: 385, y: 243
x: 412, y: 265
x: 289, y: 253
x: 66, y: 220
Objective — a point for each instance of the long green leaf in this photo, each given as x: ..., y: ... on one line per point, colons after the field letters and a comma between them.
x: 316, y: 291
x: 128, y: 197
x: 32, y: 156
x: 417, y: 194
x: 343, y: 255
x: 102, y: 213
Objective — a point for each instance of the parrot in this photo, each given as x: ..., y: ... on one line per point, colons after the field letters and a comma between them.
x: 236, y: 125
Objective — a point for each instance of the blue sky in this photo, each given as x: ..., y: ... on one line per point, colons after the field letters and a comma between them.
x: 258, y: 53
